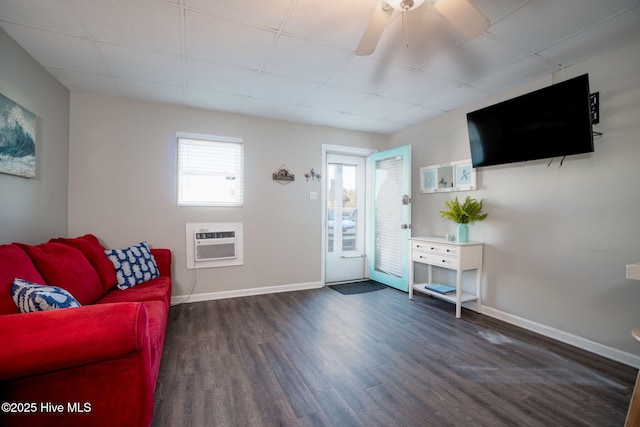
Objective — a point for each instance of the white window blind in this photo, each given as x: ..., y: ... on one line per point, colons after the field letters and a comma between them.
x: 210, y: 171
x: 389, y: 242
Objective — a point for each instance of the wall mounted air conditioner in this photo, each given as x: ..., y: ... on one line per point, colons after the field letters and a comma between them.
x: 214, y: 245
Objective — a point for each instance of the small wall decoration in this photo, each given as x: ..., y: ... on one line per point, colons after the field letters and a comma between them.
x: 312, y: 175
x: 283, y: 176
x: 17, y: 139
x: 454, y: 176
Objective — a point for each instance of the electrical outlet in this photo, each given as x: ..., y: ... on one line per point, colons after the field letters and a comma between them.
x: 633, y: 271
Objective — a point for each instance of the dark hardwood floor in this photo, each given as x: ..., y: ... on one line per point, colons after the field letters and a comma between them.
x: 320, y: 358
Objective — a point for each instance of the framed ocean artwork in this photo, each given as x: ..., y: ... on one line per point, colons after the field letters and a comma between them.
x: 17, y: 139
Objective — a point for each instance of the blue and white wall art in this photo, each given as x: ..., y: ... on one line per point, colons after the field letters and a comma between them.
x: 17, y: 139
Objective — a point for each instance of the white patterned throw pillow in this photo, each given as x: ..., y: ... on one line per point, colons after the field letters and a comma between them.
x: 134, y: 265
x: 30, y: 297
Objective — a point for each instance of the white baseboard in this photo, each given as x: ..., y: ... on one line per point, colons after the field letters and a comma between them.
x: 209, y: 296
x: 565, y: 337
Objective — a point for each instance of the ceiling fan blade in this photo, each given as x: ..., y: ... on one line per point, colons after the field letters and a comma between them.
x: 464, y: 16
x: 374, y: 30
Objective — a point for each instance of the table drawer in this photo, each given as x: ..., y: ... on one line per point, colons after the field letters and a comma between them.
x: 435, y: 259
x: 435, y: 248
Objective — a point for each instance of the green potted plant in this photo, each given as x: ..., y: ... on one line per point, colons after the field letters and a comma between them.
x: 463, y: 214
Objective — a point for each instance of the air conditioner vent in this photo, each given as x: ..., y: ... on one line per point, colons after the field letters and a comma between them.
x: 214, y: 245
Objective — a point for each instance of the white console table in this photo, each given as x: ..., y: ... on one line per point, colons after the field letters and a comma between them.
x: 435, y: 251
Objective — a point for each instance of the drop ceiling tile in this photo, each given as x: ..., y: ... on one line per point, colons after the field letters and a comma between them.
x: 217, y: 40
x: 143, y: 24
x: 335, y: 23
x: 52, y: 15
x: 76, y: 81
x: 366, y: 124
x: 301, y: 59
x: 269, y: 13
x: 335, y: 99
x: 142, y: 65
x: 494, y: 10
x: 526, y: 70
x: 534, y: 28
x: 367, y: 75
x: 57, y: 50
x: 415, y: 115
x: 267, y: 109
x: 611, y: 34
x: 219, y: 78
x: 473, y: 59
x: 210, y: 100
x: 418, y: 88
x: 315, y: 116
x: 283, y: 89
x: 144, y: 91
x: 378, y: 107
x: 456, y: 98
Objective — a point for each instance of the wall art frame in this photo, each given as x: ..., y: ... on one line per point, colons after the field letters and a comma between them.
x: 447, y: 177
x: 17, y: 139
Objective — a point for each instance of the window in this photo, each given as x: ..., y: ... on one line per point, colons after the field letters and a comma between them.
x: 210, y: 171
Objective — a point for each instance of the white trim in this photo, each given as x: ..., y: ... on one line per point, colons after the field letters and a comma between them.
x: 207, y: 137
x: 565, y: 337
x: 210, y: 296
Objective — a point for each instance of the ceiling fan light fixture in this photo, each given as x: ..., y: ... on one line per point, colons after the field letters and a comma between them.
x: 404, y: 5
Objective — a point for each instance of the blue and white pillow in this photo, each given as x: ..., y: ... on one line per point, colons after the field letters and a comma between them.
x: 134, y: 265
x: 30, y: 297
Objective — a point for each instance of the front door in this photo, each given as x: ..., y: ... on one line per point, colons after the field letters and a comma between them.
x: 345, y: 216
x: 390, y: 219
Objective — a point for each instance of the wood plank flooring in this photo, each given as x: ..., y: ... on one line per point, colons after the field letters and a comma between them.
x: 320, y: 358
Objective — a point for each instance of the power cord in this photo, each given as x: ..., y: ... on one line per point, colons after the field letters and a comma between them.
x: 193, y: 286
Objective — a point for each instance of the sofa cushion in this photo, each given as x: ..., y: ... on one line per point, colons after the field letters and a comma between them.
x: 30, y: 297
x: 134, y: 265
x: 155, y: 290
x: 14, y: 262
x: 67, y: 268
x: 93, y: 250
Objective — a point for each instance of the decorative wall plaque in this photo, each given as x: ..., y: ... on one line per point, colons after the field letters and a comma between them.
x: 283, y: 175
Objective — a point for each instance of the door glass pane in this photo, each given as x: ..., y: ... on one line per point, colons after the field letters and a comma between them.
x: 388, y: 214
x: 341, y: 205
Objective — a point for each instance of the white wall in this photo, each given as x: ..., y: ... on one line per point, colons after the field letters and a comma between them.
x: 122, y: 165
x: 557, y: 238
x: 34, y: 210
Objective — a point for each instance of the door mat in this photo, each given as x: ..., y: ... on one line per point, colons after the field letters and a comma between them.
x: 358, y: 287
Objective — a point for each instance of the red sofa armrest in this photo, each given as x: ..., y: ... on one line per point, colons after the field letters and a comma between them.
x: 163, y: 260
x: 41, y: 342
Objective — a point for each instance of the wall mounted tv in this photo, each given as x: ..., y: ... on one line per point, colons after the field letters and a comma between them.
x: 551, y: 122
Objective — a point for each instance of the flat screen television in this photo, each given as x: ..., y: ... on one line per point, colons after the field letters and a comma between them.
x: 551, y: 122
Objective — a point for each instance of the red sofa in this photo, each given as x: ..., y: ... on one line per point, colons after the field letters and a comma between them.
x: 92, y: 365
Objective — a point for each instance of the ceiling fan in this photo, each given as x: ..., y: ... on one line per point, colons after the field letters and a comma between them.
x: 462, y: 14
